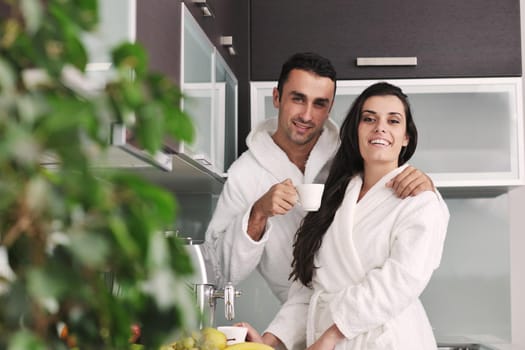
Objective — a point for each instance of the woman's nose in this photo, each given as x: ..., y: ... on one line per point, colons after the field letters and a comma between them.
x: 380, y: 126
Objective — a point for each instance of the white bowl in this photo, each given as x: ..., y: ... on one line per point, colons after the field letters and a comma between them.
x: 234, y: 334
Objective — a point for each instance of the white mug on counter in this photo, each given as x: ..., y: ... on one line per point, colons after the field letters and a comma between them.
x: 310, y: 196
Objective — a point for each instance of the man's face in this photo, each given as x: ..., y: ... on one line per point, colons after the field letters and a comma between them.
x: 304, y: 106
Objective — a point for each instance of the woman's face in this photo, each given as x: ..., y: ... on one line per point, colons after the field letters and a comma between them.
x: 382, y: 130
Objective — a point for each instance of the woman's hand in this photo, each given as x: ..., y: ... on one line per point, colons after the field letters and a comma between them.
x: 328, y: 340
x: 267, y: 338
x: 253, y: 335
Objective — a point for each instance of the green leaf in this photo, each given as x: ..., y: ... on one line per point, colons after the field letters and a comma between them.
x: 25, y: 340
x: 45, y: 284
x: 90, y: 249
x: 150, y: 126
x: 124, y: 239
x: 180, y: 125
x: 132, y: 56
x: 7, y: 76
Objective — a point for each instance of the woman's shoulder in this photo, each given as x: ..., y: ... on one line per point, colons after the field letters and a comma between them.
x: 426, y: 200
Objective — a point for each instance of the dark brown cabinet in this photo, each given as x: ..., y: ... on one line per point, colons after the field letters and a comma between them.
x: 159, y: 30
x: 450, y: 38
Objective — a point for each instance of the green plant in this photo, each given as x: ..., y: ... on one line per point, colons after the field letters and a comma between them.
x: 64, y: 228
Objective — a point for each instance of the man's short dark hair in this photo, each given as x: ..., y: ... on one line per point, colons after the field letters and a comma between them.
x: 307, y: 61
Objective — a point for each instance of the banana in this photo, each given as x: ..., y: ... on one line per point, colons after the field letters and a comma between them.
x: 249, y: 346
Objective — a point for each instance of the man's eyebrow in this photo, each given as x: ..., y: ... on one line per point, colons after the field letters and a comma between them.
x: 322, y: 99
x: 303, y: 96
x: 297, y: 93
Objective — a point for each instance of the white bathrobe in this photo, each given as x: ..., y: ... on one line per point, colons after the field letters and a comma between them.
x: 375, y: 260
x: 231, y: 253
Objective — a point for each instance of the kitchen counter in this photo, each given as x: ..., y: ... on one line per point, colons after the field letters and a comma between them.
x: 486, y: 342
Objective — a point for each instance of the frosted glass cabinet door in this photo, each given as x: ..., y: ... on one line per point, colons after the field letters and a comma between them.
x: 211, y: 88
x: 116, y: 24
x: 470, y: 130
x: 224, y: 75
x: 205, y: 104
x: 197, y: 52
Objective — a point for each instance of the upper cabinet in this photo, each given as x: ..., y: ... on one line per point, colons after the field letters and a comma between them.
x: 211, y: 98
x: 410, y: 39
x: 470, y: 130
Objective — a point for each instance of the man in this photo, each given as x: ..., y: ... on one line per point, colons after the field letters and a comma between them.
x: 256, y: 217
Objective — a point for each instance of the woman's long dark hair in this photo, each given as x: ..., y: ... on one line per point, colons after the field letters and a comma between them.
x: 347, y: 163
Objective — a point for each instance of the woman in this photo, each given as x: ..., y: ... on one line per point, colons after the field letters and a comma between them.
x: 361, y: 262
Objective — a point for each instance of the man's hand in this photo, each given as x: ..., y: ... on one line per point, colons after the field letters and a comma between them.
x: 410, y: 182
x: 279, y: 200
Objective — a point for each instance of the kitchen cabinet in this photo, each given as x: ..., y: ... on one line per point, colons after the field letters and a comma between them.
x: 211, y: 90
x: 112, y: 30
x: 471, y: 38
x: 206, y: 79
x: 229, y: 18
x: 470, y: 129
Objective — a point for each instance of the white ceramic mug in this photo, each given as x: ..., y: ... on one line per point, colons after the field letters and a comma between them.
x: 234, y: 334
x: 310, y: 196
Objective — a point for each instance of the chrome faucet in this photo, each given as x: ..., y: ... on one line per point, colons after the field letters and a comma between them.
x: 207, y: 293
x: 207, y: 296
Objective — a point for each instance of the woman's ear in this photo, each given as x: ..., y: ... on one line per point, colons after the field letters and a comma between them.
x: 406, y: 140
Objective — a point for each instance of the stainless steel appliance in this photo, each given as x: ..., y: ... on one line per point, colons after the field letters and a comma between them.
x: 203, y: 284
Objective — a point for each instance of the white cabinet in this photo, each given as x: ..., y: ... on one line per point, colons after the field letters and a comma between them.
x: 470, y: 130
x: 210, y: 88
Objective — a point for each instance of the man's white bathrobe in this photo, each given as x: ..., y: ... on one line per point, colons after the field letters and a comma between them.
x: 229, y: 250
x: 375, y: 260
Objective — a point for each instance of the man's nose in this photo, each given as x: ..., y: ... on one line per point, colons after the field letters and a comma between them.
x: 308, y: 111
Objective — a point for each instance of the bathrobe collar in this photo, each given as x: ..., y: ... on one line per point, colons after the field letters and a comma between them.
x: 274, y: 159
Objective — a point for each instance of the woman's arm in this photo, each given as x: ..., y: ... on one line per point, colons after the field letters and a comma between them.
x: 328, y: 339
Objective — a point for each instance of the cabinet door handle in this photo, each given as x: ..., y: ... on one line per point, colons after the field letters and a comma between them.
x: 386, y: 61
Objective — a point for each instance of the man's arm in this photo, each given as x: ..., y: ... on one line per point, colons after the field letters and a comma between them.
x: 235, y: 238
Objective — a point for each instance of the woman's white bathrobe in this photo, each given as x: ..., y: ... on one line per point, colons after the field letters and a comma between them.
x: 375, y: 260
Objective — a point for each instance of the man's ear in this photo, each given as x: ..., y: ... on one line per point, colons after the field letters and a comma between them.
x: 275, y: 97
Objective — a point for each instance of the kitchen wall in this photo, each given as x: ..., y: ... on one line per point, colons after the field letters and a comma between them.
x: 517, y: 238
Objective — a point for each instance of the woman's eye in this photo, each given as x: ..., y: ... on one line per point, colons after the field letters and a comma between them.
x: 367, y: 119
